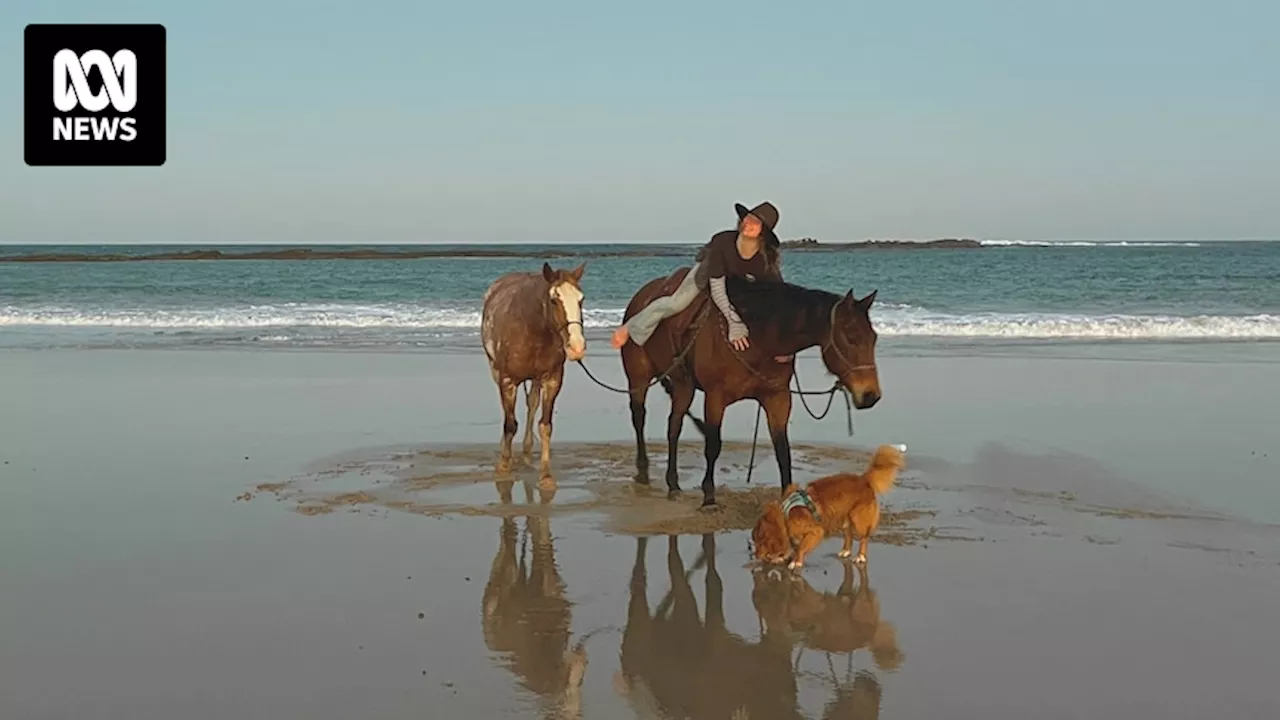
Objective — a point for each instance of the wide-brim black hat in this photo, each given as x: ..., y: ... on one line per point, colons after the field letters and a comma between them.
x: 766, y: 213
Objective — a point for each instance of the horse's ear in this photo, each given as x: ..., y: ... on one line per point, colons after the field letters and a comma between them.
x: 547, y: 273
x: 848, y: 298
x: 577, y: 272
x: 865, y: 303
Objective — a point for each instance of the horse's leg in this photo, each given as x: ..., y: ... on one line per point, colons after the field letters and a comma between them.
x: 681, y: 399
x: 712, y: 417
x: 777, y: 408
x: 638, y: 396
x: 507, y: 391
x: 532, y: 399
x: 550, y: 389
x: 639, y: 371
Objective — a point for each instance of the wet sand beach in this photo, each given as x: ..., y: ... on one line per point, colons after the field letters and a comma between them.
x: 1082, y: 531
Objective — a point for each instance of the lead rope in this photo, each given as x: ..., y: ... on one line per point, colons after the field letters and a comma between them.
x: 848, y: 409
x: 755, y: 435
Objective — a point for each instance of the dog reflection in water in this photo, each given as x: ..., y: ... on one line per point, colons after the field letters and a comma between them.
x: 839, y: 623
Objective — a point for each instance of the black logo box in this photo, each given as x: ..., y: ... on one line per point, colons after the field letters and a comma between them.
x: 42, y: 42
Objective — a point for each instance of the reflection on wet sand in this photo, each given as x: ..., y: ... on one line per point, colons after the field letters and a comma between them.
x: 526, y: 616
x: 675, y: 664
x: 838, y: 623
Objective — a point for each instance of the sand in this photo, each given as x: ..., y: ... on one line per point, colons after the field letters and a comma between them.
x: 1084, y: 532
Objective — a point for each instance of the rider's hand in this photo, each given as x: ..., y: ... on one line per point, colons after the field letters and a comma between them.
x: 738, y: 335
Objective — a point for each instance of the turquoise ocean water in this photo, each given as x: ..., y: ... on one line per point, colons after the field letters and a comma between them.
x: 1185, y: 291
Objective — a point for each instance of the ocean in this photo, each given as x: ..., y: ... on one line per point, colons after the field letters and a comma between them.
x: 1002, y: 292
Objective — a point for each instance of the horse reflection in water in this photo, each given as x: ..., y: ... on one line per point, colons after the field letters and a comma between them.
x: 676, y: 665
x: 527, y: 617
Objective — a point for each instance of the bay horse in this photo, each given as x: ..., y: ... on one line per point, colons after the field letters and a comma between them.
x: 692, y: 348
x: 532, y: 323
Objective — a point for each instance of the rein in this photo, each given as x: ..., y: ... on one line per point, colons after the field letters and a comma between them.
x: 675, y: 364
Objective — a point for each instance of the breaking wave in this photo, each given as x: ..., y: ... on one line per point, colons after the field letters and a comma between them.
x: 286, y: 322
x: 1087, y: 243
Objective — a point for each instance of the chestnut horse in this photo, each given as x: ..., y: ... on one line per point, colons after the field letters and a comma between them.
x: 530, y: 324
x: 692, y: 348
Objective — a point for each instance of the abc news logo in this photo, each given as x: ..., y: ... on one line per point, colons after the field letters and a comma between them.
x: 71, y: 90
x: 108, y: 101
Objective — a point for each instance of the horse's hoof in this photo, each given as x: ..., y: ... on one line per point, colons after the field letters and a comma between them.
x: 674, y: 494
x: 503, y: 467
x: 546, y: 482
x: 709, y: 506
x: 641, y: 477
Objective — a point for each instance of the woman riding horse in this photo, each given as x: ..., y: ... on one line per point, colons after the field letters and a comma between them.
x: 749, y: 251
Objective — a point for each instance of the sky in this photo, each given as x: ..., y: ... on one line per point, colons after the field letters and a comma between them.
x: 575, y: 121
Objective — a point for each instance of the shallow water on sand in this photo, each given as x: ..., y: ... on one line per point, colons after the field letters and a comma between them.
x: 1020, y: 581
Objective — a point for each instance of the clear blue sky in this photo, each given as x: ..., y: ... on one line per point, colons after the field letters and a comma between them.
x: 577, y: 121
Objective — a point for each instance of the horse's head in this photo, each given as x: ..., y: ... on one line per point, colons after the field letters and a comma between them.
x: 849, y: 352
x: 566, y: 307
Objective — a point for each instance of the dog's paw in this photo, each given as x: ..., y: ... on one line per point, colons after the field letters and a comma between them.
x: 844, y: 553
x: 861, y: 559
x: 794, y: 564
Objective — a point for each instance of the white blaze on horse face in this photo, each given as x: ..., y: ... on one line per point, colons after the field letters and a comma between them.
x: 571, y: 299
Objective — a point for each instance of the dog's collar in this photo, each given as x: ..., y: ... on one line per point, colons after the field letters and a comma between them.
x: 800, y: 498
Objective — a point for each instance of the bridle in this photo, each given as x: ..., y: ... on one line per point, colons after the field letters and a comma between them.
x: 831, y: 343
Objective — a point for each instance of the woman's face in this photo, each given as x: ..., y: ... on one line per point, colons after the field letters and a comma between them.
x: 751, y: 226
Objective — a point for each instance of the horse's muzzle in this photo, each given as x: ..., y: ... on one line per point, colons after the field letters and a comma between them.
x: 575, y: 353
x: 866, y: 399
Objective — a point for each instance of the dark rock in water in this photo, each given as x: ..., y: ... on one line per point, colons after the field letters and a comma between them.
x: 941, y: 244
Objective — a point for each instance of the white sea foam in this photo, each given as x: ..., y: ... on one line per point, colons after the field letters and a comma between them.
x: 1087, y: 243
x: 279, y: 322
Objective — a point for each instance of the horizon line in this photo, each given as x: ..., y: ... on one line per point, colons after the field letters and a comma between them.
x: 668, y: 243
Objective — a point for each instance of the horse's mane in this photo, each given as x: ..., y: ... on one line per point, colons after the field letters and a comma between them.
x: 768, y: 302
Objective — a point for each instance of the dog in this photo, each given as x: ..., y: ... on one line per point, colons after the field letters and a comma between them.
x: 794, y: 526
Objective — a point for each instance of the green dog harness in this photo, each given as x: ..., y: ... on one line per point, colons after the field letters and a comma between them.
x: 800, y: 498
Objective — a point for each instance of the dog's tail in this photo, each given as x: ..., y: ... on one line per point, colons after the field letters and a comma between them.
x: 885, y: 464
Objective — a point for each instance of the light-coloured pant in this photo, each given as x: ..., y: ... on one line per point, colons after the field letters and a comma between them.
x: 641, y: 326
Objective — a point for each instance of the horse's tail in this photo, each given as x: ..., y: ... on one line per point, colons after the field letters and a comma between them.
x: 697, y: 423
